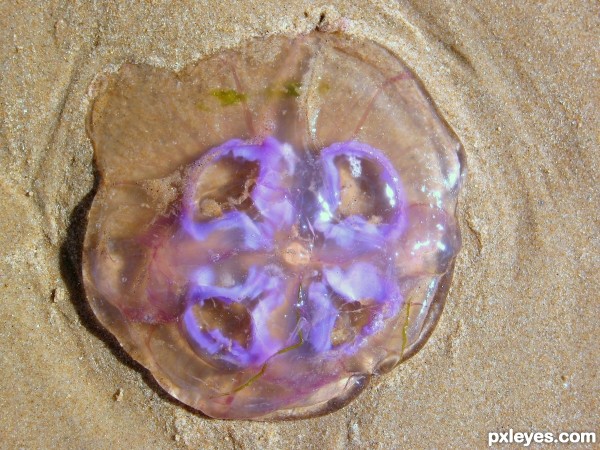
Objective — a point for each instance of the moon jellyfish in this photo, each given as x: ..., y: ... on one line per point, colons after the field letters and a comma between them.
x: 274, y: 225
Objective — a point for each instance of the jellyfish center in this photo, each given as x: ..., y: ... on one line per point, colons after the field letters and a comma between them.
x: 297, y: 254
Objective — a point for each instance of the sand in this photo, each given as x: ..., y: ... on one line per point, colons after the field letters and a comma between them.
x: 517, y: 344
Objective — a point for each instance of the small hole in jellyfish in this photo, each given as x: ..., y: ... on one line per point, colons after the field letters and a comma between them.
x: 232, y: 319
x: 218, y: 188
x: 352, y: 318
x: 362, y: 191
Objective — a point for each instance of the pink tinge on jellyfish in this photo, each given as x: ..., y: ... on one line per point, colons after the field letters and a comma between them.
x: 274, y: 225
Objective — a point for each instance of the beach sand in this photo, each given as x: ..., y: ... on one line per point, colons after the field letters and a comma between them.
x: 517, y: 344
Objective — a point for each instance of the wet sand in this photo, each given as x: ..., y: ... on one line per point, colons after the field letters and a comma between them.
x: 517, y: 344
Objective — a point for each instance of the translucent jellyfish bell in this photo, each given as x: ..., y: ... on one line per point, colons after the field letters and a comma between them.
x: 274, y: 224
